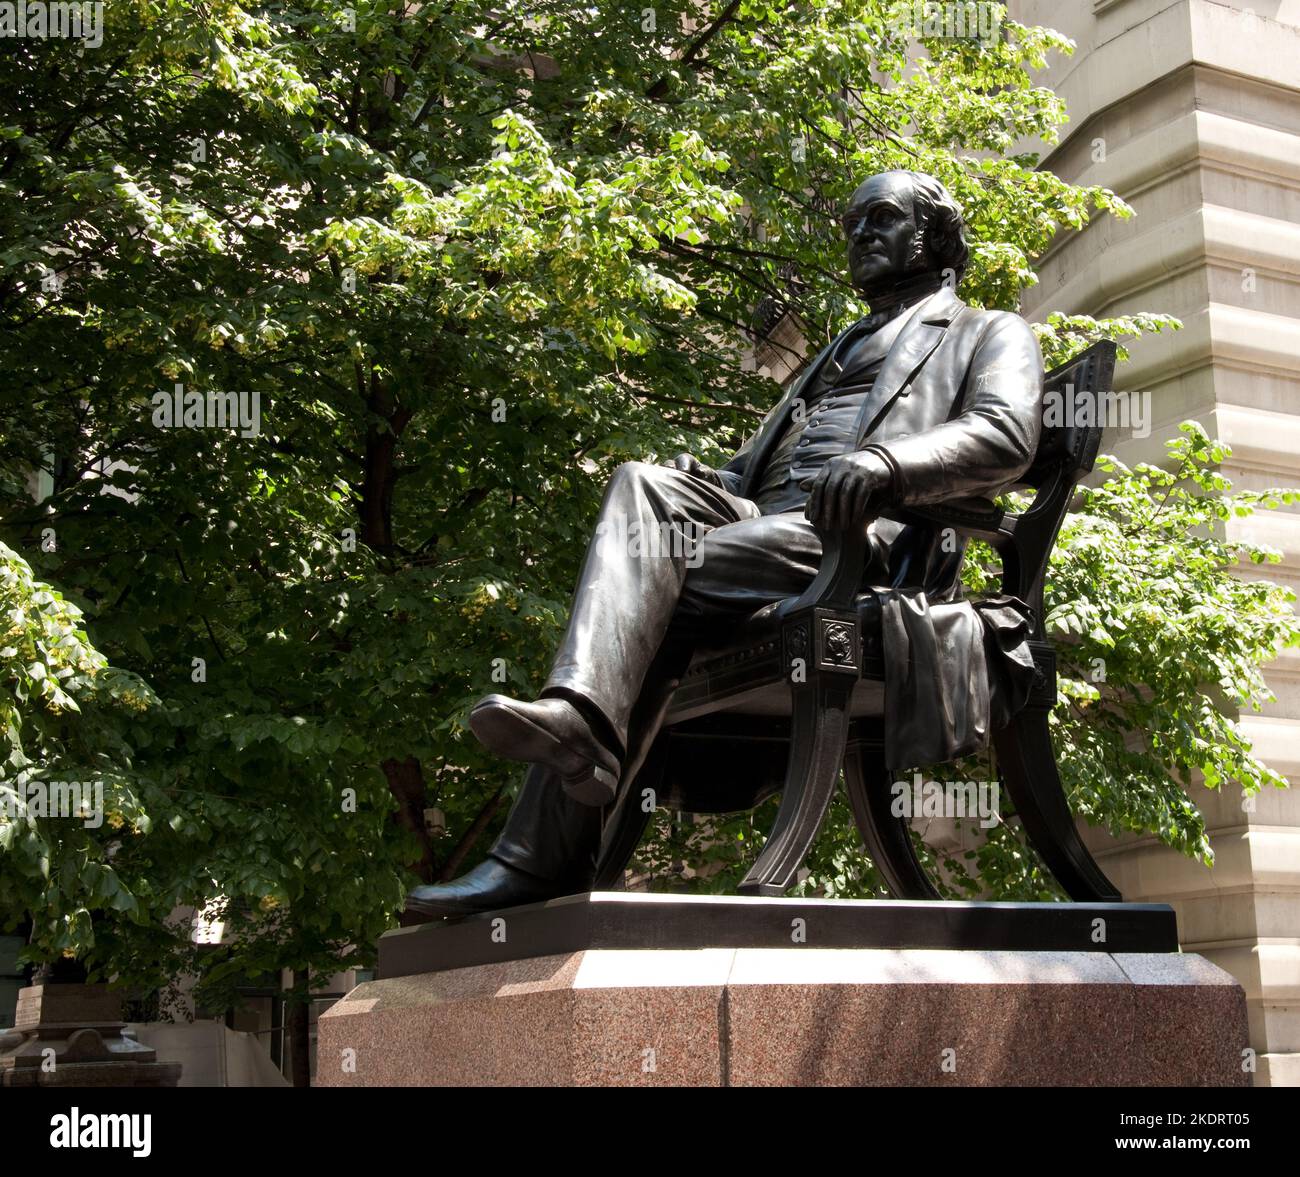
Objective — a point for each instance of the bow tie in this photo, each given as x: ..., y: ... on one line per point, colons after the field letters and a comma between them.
x: 877, y: 319
x: 859, y: 331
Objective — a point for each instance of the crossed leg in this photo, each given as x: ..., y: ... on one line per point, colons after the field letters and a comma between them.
x: 635, y: 621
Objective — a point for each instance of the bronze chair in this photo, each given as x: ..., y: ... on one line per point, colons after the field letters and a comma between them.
x: 736, y: 715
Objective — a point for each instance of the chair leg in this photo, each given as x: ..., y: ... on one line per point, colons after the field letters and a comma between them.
x: 1028, y: 764
x: 888, y: 838
x: 818, y: 732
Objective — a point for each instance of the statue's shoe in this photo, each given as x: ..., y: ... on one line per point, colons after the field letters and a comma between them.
x: 490, y: 886
x: 551, y: 732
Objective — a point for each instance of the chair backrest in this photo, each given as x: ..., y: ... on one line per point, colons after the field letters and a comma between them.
x: 1074, y: 400
x: 1073, y: 403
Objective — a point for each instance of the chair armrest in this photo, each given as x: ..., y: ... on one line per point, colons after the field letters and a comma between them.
x: 983, y: 520
x: 839, y: 576
x: 976, y: 518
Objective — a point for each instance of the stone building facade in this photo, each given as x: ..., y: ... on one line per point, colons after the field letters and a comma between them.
x: 1190, y: 110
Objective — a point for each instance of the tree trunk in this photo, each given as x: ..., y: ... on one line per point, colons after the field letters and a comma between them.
x: 471, y: 835
x: 406, y: 781
x: 375, y: 511
x: 296, y: 1024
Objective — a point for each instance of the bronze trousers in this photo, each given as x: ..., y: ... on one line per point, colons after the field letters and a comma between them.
x: 672, y: 555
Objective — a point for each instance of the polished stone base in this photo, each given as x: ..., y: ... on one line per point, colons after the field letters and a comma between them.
x: 797, y: 1015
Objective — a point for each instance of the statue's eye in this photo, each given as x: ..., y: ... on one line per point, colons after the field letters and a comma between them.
x: 879, y: 218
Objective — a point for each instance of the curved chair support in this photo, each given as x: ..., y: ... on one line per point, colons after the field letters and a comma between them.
x: 888, y: 838
x: 1027, y: 762
x: 819, y: 730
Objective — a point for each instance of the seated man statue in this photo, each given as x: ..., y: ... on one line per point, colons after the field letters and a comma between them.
x: 925, y: 400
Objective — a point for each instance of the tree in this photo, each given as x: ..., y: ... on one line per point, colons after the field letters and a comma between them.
x: 69, y: 792
x: 469, y: 259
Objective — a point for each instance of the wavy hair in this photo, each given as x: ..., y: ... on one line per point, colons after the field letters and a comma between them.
x: 942, y: 228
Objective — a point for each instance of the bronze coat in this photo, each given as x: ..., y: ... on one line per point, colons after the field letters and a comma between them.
x: 957, y: 407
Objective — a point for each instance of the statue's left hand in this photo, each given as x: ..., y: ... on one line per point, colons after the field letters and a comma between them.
x: 844, y: 488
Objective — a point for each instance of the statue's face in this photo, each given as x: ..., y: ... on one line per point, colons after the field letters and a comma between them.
x: 882, y: 233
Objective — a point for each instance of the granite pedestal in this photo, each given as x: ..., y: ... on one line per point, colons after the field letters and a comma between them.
x: 609, y: 990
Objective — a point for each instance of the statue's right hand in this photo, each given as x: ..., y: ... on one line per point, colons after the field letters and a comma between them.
x: 690, y: 464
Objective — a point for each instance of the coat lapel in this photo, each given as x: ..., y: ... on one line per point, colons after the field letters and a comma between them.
x: 869, y: 352
x: 921, y: 334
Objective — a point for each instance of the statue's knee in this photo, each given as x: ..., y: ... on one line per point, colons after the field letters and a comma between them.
x: 640, y: 472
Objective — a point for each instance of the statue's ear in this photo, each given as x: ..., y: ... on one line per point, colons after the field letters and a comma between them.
x: 945, y: 239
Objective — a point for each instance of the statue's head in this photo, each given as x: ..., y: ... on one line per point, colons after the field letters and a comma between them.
x: 899, y: 225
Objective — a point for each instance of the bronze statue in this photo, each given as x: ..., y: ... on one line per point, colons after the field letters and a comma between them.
x: 926, y: 400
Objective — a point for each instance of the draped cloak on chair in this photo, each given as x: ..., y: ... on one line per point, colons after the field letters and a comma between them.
x: 955, y: 671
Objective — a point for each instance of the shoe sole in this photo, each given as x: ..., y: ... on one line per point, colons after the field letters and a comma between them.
x: 504, y: 731
x: 437, y: 911
x: 464, y: 906
x: 456, y: 908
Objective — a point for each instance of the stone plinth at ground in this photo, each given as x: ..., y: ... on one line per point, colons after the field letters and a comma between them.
x: 775, y: 1007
